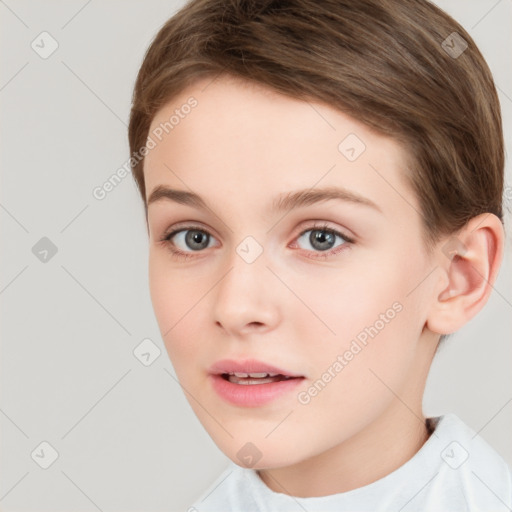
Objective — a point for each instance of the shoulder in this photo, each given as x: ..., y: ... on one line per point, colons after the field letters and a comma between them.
x: 232, y: 490
x: 472, y: 467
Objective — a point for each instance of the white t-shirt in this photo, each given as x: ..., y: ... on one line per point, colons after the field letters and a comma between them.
x: 455, y: 470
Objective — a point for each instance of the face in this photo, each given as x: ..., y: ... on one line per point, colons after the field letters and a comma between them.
x: 325, y: 286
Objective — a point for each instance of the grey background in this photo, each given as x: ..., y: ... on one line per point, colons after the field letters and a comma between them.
x: 126, y: 437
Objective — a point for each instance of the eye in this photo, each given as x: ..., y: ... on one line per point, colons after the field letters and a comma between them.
x: 190, y: 237
x: 322, y: 239
x: 194, y: 239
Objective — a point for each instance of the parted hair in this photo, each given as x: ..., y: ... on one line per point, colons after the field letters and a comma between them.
x: 404, y: 68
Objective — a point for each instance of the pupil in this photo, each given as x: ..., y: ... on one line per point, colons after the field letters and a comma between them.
x: 194, y: 237
x: 319, y: 240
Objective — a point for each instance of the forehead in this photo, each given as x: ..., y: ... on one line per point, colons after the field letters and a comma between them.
x: 243, y: 138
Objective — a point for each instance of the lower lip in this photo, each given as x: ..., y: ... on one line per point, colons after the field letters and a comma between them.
x: 252, y: 395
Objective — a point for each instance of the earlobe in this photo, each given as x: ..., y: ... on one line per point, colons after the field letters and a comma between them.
x: 470, y: 260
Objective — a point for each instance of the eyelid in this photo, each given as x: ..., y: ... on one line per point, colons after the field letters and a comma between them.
x: 319, y: 225
x: 184, y: 226
x: 316, y: 224
x: 324, y: 225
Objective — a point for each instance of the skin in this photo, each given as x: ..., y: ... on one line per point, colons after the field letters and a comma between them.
x: 240, y: 147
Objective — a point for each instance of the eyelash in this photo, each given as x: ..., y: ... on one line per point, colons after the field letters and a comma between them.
x: 166, y: 240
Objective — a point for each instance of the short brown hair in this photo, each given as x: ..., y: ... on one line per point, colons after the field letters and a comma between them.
x: 400, y: 67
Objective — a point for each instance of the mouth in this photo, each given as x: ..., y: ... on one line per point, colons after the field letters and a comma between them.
x: 251, y: 379
x: 252, y: 383
x: 250, y: 371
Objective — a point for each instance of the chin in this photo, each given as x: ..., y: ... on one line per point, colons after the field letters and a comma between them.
x: 263, y: 455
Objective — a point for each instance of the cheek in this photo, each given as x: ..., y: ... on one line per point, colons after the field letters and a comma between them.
x: 163, y: 295
x: 344, y: 305
x: 374, y: 323
x: 352, y: 376
x: 173, y: 305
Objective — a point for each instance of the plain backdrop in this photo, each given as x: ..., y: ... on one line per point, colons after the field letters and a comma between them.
x: 74, y: 287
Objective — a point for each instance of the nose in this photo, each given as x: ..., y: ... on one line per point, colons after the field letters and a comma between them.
x: 246, y: 300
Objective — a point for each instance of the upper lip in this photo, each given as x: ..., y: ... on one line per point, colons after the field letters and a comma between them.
x: 247, y: 366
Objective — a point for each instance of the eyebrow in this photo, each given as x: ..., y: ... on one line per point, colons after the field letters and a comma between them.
x: 287, y: 201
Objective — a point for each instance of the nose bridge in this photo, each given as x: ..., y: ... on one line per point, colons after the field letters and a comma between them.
x: 244, y: 295
x: 247, y: 268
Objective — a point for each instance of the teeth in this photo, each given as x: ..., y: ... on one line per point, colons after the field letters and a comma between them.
x: 254, y: 378
x: 253, y: 375
x: 249, y: 382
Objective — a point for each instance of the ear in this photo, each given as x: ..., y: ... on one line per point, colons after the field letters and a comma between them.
x: 470, y: 260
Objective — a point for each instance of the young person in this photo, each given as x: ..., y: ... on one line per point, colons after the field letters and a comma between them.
x: 322, y: 184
